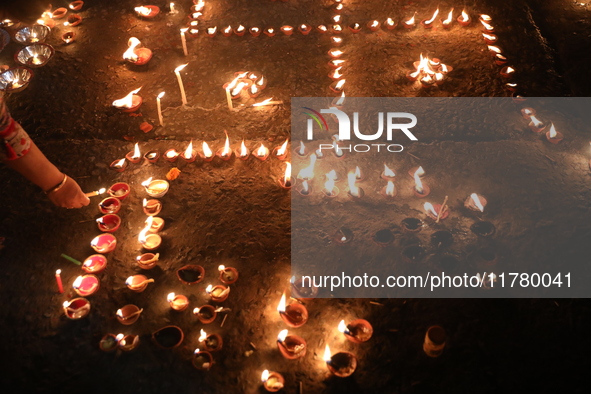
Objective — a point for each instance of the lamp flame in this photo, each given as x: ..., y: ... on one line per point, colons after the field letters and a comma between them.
x: 262, y: 103
x: 136, y: 152
x: 430, y: 209
x: 283, y: 148
x: 179, y: 68
x: 418, y: 184
x: 341, y: 101
x: 265, y: 375
x: 433, y: 17
x: 144, y: 11
x: 243, y: 150
x: 449, y: 17
x: 330, y: 180
x: 388, y: 172
x: 146, y: 183
x: 281, y: 306
x: 552, y: 131
x: 170, y: 297
x: 206, y: 151
x: 390, y: 189
x: 411, y: 21
x: 308, y: 172
x: 477, y: 201
x: 126, y: 102
x: 287, y: 175
x: 202, y: 335
x: 130, y: 54
x: 262, y: 151
x: 282, y: 335
x: 465, y: 16
x: 353, y: 189
x: 327, y: 356
x: 343, y: 327
x: 420, y: 171
x: 226, y: 151
x: 77, y: 282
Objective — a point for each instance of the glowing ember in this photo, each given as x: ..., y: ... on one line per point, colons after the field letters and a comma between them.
x: 126, y: 102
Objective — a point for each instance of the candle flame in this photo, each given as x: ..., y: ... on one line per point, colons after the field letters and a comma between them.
x: 136, y: 152
x: 179, y: 68
x: 196, y: 311
x: 302, y: 148
x: 160, y: 95
x: 283, y: 148
x: 305, y: 187
x: 170, y: 297
x: 287, y: 175
x: 282, y: 335
x: 357, y: 172
x: 433, y: 17
x: 126, y: 102
x: 336, y: 19
x: 228, y: 29
x: 240, y: 28
x: 341, y: 100
x: 265, y: 375
x: 327, y: 356
x: 262, y: 151
x: 336, y: 73
x: 66, y: 304
x: 202, y: 335
x: 189, y: 151
x: 418, y: 184
x: 477, y: 202
x: 281, y: 306
x: 336, y: 52
x: 199, y: 6
x: 142, y: 236
x: 308, y: 172
x: 130, y: 54
x: 206, y: 151
x: 340, y: 84
x: 390, y: 189
x: 487, y: 26
x: 428, y: 207
x: 449, y: 17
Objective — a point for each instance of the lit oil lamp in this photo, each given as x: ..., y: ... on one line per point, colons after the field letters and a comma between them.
x: 227, y: 32
x: 330, y: 190
x: 225, y: 153
x: 357, y: 331
x: 149, y: 241
x: 255, y: 31
x: 487, y: 27
x: 475, y: 202
x: 338, y: 86
x: 535, y: 124
x: 341, y: 364
x: 156, y: 224
x: 138, y: 283
x: 554, y: 136
x: 211, y: 342
x: 420, y: 188
x: 189, y: 154
x: 354, y: 190
x: 464, y: 19
x: 228, y: 275
x: 301, y: 150
x: 147, y: 261
x: 338, y: 7
x: 410, y: 23
x: 86, y: 285
x: 76, y: 308
x: 336, y: 40
x: 109, y: 223
x: 134, y: 156
x: 434, y: 341
x: 390, y: 24
x: 373, y: 25
x: 73, y: 20
x: 446, y: 23
x: 202, y: 360
x: 104, y: 243
x: 127, y: 342
x: 15, y: 79
x: 262, y: 153
x: 428, y: 23
x: 412, y: 225
x: 511, y: 86
x: 500, y: 59
x: 118, y: 165
x: 190, y: 274
x: 527, y: 113
x: 128, y: 314
x: 273, y: 381
x: 109, y: 205
x: 433, y: 211
x: 336, y: 29
x: 322, y: 29
x: 285, y: 181
x: 193, y: 31
x: 507, y: 72
x: 195, y: 16
x: 155, y: 188
x: 304, y: 29
x: 35, y: 55
x: 304, y: 188
x: 206, y: 314
x: 355, y: 27
x: 198, y: 5
x: 280, y: 152
x: 76, y: 5
x: 335, y: 53
x: 94, y: 264
x: 294, y: 314
x: 152, y: 156
x: 171, y: 155
x: 240, y: 30
x: 152, y: 207
x: 490, y: 39
x: 335, y: 74
x: 218, y: 293
x: 129, y: 103
x: 147, y: 11
x: 291, y: 346
x: 135, y: 55
x: 32, y: 34
x: 287, y: 30
x: 206, y: 153
x: 269, y: 32
x: 243, y: 153
x: 178, y: 302
x: 494, y: 50
x: 388, y: 174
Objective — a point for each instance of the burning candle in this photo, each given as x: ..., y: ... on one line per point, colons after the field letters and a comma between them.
x: 341, y: 364
x: 272, y: 381
x: 294, y: 314
x: 225, y: 153
x: 177, y: 302
x: 86, y: 285
x: 354, y: 190
x: 104, y: 243
x: 134, y: 156
x: 135, y: 55
x: 291, y: 346
x: 58, y: 279
x: 475, y: 202
x: 96, y: 192
x: 206, y: 154
x: 184, y: 41
x: 428, y: 23
x: 330, y: 190
x: 188, y: 154
x: 285, y: 181
x: 138, y: 283
x: 447, y: 22
x: 262, y: 152
x: 177, y: 71
x: 129, y: 103
x: 218, y: 293
x: 554, y: 136
x: 77, y: 308
x: 357, y: 331
x: 464, y: 19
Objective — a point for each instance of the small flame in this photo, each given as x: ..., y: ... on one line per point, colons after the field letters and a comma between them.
x: 228, y: 29
x: 128, y: 281
x: 179, y: 68
x: 388, y: 172
x: 77, y: 282
x: 341, y: 101
x: 308, y: 172
x: 136, y: 152
x: 206, y: 151
x: 160, y: 95
x: 243, y: 150
x: 485, y: 17
x: 287, y: 175
x: 494, y: 48
x: 305, y: 187
x: 336, y: 40
x: 465, y: 16
x: 430, y: 209
x: 552, y: 131
x: 265, y: 375
x: 283, y: 148
x: 342, y: 326
x: 170, y: 297
x: 449, y: 17
x: 390, y: 22
x: 390, y: 189
x: 146, y: 183
x: 281, y: 306
x: 357, y: 172
x: 420, y: 171
x: 330, y: 181
x: 375, y: 23
x: 411, y: 21
x: 418, y: 184
x: 302, y: 149
x: 282, y: 335
x: 240, y: 28
x: 143, y: 10
x: 336, y: 52
x: 487, y: 26
x: 199, y: 6
x: 327, y: 356
x: 208, y: 289
x: 535, y: 121
x: 66, y: 304
x: 196, y: 311
x: 477, y: 202
x: 336, y: 73
x: 130, y: 54
x: 353, y: 189
x: 226, y: 151
x: 262, y: 103
x: 336, y: 19
x: 340, y: 84
x: 127, y: 101
x: 262, y: 151
x: 119, y: 337
x: 202, y: 335
x: 433, y: 17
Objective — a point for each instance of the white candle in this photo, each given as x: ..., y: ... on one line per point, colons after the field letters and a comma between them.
x: 160, y: 108
x: 181, y: 87
x: 184, y: 41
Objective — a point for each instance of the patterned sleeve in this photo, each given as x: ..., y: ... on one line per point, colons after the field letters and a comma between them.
x: 15, y: 139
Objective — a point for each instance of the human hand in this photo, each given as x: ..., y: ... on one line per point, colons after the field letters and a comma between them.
x: 69, y: 195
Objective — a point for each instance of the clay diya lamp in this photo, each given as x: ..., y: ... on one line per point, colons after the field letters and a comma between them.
x: 240, y: 30
x: 15, y: 79
x: 254, y: 31
x: 483, y: 229
x: 373, y: 25
x: 138, y: 283
x: 228, y: 275
x: 59, y: 13
x: 156, y: 188
x: 152, y: 156
x: 147, y: 261
x: 341, y: 364
x: 433, y: 210
x: 383, y: 237
x: 94, y: 264
x: 262, y: 153
x: 413, y: 253
x: 337, y: 86
x: 475, y: 202
x: 206, y: 154
x: 134, y: 156
x: 421, y: 189
x: 86, y: 285
x: 304, y: 29
x: 535, y: 124
x: 428, y: 23
x: 150, y: 241
x: 287, y: 30
x: 464, y: 19
x: 211, y: 31
x: 118, y: 165
x: 227, y: 32
x: 512, y: 87
x: 128, y: 314
x: 128, y: 342
x: 211, y: 342
x: 168, y: 337
x: 272, y: 381
x: 442, y: 238
x: 410, y: 23
x: 73, y: 20
x: 104, y: 243
x: 554, y: 136
x: 286, y: 182
x: 68, y: 37
x: 109, y: 205
x: 355, y: 27
x: 156, y: 225
x: 139, y: 56
x: 291, y: 347
x: 390, y: 24
x: 490, y: 39
x: 303, y: 293
x: 269, y: 32
x: 202, y: 360
x: 171, y: 155
x: 109, y: 343
x: 76, y: 5
x: 189, y: 155
x: 343, y: 236
x: 322, y: 29
x: 119, y: 190
x: 206, y: 314
x: 294, y: 314
x: 336, y: 29
x: 280, y: 152
x: 147, y: 11
x: 487, y: 256
x: 177, y: 302
x: 507, y: 72
x: 76, y: 308
x: 412, y: 225
x: 527, y: 113
x: 191, y: 274
x: 434, y: 341
x: 357, y: 331
x: 152, y: 207
x: 109, y: 223
x: 500, y: 59
x: 218, y: 293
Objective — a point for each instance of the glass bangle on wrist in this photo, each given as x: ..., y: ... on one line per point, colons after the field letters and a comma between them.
x: 58, y: 186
